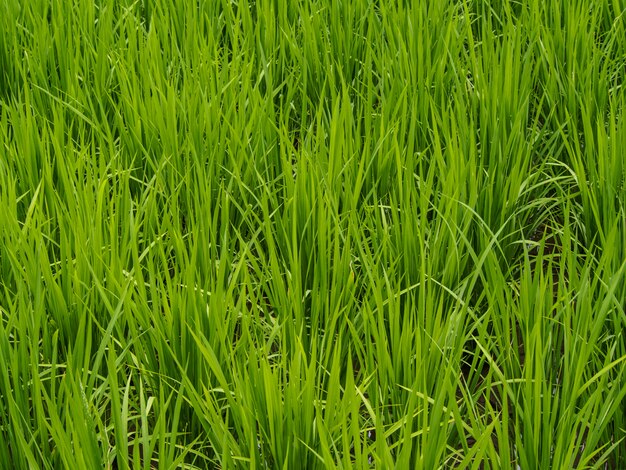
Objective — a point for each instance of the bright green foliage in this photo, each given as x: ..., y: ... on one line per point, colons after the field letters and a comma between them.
x: 312, y: 234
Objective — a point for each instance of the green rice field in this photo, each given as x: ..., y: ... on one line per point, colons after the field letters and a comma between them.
x: 312, y: 234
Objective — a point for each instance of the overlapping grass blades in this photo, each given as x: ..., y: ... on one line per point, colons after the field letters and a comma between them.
x: 273, y: 234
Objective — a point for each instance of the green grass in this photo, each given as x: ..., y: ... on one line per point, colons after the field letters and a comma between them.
x: 312, y: 234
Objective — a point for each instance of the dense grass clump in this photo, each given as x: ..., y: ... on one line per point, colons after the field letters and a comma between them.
x: 311, y: 234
